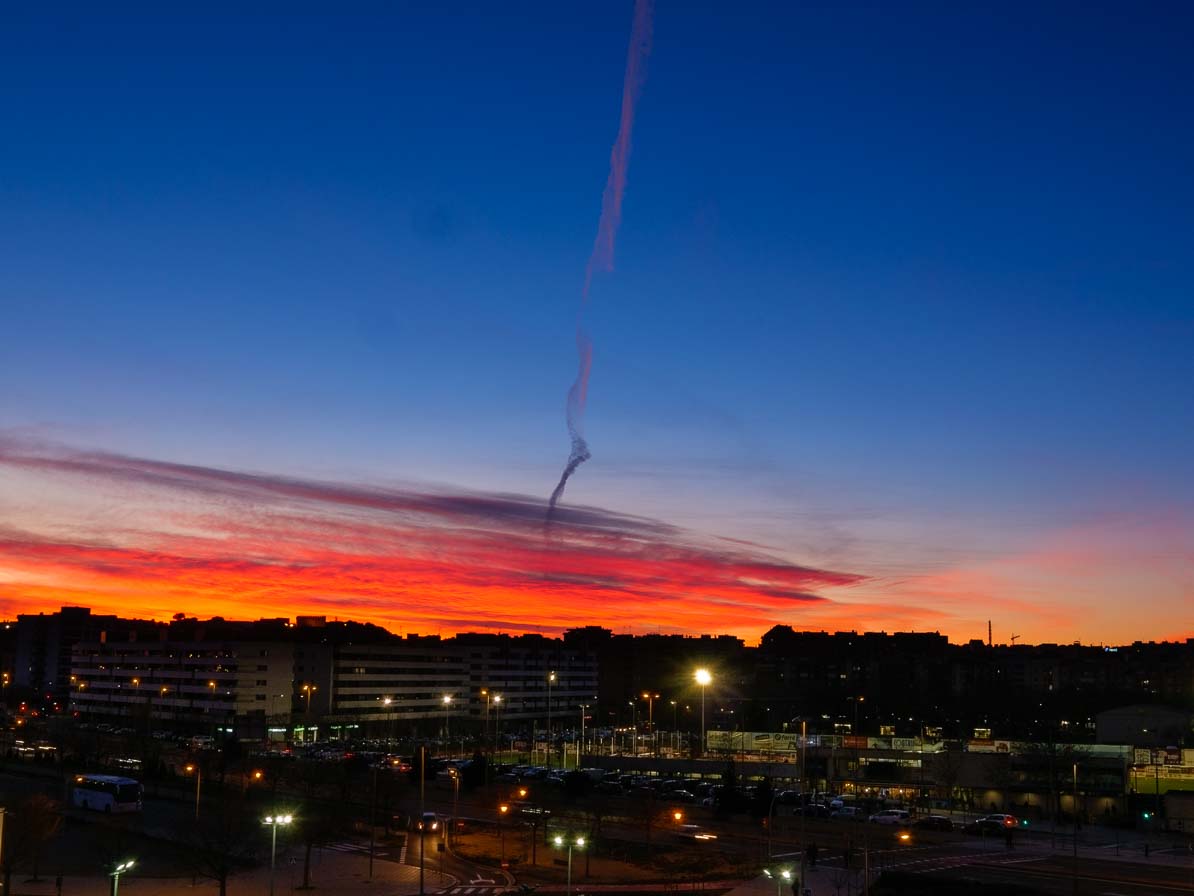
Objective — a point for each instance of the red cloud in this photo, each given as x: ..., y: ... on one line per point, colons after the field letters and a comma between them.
x: 239, y: 544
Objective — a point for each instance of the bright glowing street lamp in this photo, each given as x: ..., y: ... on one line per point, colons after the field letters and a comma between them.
x: 447, y: 721
x: 273, y: 821
x: 579, y: 843
x: 497, y: 723
x: 782, y: 876
x: 703, y: 678
x: 651, y: 698
x: 117, y: 871
x: 192, y: 769
x: 551, y: 679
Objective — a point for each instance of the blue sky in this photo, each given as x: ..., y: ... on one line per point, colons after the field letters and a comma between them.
x: 895, y: 288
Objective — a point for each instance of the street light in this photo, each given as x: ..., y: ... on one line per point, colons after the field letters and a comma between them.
x: 703, y: 678
x: 782, y: 876
x: 274, y: 821
x: 447, y: 720
x: 584, y: 707
x: 198, y: 773
x: 1075, y: 801
x: 308, y: 690
x: 579, y: 843
x: 497, y: 723
x: 551, y: 679
x: 634, y: 724
x: 503, y: 812
x: 117, y: 871
x: 857, y: 700
x: 454, y: 774
x: 651, y: 698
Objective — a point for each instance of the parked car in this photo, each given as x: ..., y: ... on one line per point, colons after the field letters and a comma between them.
x: 890, y: 816
x: 847, y: 813
x: 934, y: 823
x: 1007, y: 821
x: 813, y: 810
x: 987, y: 826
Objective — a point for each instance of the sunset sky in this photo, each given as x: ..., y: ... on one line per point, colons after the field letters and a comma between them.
x: 898, y: 333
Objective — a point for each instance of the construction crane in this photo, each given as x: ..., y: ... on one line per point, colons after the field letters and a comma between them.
x: 1013, y: 640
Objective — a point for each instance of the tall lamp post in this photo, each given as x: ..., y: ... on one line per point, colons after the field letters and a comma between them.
x: 497, y: 723
x: 192, y: 769
x: 387, y: 702
x: 448, y: 721
x: 704, y: 679
x: 634, y: 725
x: 454, y: 773
x: 1075, y: 810
x: 274, y: 822
x: 579, y: 843
x: 806, y: 802
x: 782, y: 876
x: 651, y: 698
x: 584, y: 708
x: 675, y: 727
x: 117, y: 871
x: 551, y: 680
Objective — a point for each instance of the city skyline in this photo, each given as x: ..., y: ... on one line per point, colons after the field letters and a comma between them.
x: 895, y: 336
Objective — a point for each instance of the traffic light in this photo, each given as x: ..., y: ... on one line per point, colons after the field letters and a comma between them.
x: 1147, y: 815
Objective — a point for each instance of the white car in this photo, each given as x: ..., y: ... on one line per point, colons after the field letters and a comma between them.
x: 890, y: 816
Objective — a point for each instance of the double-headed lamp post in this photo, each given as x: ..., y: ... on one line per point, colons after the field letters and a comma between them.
x: 782, y: 876
x: 579, y: 843
x: 651, y: 698
x: 704, y: 679
x: 117, y: 871
x: 274, y: 821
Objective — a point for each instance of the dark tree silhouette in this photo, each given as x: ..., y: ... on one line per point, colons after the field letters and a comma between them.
x: 227, y: 838
x: 28, y: 826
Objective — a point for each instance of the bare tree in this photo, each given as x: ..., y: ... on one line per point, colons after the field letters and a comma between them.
x: 34, y: 822
x: 224, y: 840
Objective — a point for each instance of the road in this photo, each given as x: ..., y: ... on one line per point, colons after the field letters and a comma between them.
x: 1035, y: 870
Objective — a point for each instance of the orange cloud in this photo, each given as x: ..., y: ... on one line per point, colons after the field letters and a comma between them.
x: 210, y: 541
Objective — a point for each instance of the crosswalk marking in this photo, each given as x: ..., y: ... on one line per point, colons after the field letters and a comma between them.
x: 348, y: 846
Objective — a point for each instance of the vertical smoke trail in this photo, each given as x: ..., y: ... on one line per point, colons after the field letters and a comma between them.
x: 602, y: 256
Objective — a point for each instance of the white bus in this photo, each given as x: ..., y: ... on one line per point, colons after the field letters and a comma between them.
x: 106, y: 793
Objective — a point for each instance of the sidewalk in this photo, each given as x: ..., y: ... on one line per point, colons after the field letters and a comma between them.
x: 820, y: 881
x: 335, y: 874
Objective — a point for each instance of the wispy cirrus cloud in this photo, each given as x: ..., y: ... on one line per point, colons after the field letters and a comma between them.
x: 208, y: 540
